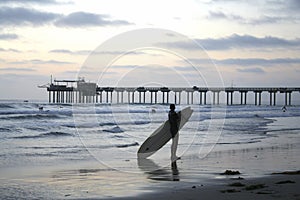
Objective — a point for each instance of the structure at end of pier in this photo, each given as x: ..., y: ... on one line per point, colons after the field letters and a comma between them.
x: 80, y: 91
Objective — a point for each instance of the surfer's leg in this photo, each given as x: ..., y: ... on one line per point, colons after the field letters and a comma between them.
x: 174, y: 147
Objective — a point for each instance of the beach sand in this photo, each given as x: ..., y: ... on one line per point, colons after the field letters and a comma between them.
x: 270, y: 172
x: 191, y: 178
x: 268, y: 187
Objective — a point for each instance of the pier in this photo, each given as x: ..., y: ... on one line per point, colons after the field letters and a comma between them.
x: 79, y: 91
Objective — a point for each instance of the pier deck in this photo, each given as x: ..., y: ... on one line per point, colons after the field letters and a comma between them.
x: 72, y: 91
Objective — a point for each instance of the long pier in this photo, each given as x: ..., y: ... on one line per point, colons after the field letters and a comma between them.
x: 79, y: 91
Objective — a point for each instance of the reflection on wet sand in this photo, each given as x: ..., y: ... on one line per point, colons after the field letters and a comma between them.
x: 158, y: 173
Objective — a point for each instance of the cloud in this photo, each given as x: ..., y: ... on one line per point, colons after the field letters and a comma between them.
x: 40, y: 62
x: 40, y: 2
x: 37, y: 61
x: 264, y: 12
x: 66, y: 51
x: 17, y: 69
x: 84, y: 19
x: 248, y: 61
x: 221, y: 15
x: 8, y: 36
x: 124, y: 66
x: 279, y: 4
x: 293, y: 4
x: 265, y: 19
x: 225, y: 1
x: 119, y: 53
x: 87, y: 52
x: 236, y: 41
x: 159, y: 68
x: 258, y: 61
x: 289, y: 7
x: 18, y: 16
x: 185, y: 68
x: 10, y: 50
x: 246, y: 41
x: 255, y: 70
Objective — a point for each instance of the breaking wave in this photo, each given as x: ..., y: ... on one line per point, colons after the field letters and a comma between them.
x: 44, y: 135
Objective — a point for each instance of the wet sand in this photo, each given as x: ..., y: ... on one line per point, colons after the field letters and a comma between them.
x: 190, y: 178
x: 268, y: 187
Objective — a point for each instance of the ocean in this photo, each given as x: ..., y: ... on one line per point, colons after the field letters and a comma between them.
x: 37, y: 136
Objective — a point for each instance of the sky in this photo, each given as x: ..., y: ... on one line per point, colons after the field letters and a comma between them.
x: 148, y: 43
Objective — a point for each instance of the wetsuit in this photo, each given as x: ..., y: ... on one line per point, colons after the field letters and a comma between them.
x: 174, y: 122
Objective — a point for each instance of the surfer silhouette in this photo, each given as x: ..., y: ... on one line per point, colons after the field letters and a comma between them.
x: 283, y: 109
x: 174, y: 120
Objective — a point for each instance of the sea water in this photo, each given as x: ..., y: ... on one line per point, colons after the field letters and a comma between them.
x: 47, y: 136
x: 64, y: 133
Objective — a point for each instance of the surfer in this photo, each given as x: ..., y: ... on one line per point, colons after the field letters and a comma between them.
x: 174, y: 127
x: 283, y: 109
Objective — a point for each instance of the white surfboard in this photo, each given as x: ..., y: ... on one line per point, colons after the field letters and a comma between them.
x: 162, y: 135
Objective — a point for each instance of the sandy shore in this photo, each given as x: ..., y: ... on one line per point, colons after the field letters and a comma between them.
x: 191, y: 178
x: 204, y: 178
x: 275, y: 186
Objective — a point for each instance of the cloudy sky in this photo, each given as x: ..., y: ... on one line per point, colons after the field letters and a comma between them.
x: 252, y: 43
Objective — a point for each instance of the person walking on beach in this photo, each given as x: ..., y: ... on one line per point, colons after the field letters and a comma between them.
x: 174, y: 120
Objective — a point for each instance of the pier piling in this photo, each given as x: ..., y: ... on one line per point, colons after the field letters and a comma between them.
x: 79, y: 91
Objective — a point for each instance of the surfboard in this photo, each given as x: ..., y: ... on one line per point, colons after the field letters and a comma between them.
x: 162, y: 135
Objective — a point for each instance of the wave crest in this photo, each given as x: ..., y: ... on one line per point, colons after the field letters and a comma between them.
x: 44, y: 135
